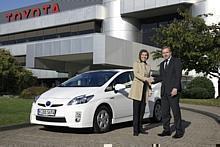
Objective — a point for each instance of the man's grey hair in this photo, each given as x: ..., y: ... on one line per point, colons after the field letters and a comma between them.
x: 164, y: 47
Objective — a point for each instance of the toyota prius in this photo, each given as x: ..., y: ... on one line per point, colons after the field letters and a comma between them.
x: 94, y: 99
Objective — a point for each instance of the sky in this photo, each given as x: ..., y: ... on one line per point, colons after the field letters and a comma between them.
x: 13, y: 4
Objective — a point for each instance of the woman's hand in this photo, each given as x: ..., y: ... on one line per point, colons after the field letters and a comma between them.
x: 148, y: 80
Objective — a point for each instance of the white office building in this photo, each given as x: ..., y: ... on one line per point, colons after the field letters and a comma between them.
x: 59, y: 38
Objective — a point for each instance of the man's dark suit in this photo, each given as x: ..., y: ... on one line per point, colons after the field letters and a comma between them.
x: 170, y: 78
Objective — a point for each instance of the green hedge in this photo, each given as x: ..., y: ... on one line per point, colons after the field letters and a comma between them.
x: 31, y: 92
x: 199, y: 88
x: 13, y: 77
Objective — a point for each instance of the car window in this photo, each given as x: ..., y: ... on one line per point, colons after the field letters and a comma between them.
x: 124, y: 78
x: 91, y: 79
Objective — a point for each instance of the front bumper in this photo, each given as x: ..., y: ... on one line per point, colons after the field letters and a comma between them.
x: 67, y: 116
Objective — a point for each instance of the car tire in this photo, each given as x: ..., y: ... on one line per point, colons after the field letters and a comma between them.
x: 102, y: 120
x: 157, y: 115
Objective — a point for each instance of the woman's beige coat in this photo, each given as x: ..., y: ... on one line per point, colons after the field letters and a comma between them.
x: 141, y: 73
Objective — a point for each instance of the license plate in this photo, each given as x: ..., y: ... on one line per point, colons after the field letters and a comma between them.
x: 46, y: 112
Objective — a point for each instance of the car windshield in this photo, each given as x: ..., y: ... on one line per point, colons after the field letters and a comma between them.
x: 90, y: 79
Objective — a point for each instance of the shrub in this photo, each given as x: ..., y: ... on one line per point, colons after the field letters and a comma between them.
x: 31, y: 92
x: 197, y: 93
x: 199, y: 88
x: 13, y: 77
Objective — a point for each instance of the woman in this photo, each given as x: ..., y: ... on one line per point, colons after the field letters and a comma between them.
x: 140, y: 90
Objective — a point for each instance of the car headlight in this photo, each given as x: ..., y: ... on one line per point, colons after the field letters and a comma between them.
x: 80, y: 99
x: 36, y: 98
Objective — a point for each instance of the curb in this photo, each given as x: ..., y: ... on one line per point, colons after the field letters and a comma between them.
x: 17, y: 126
x: 209, y: 114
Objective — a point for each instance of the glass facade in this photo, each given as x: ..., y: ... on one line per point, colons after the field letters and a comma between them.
x: 149, y: 25
x: 54, y: 32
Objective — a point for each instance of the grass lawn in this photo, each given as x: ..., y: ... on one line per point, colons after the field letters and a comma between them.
x: 14, y: 110
x: 206, y: 102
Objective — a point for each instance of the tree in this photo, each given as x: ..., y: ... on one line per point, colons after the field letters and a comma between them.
x: 13, y: 78
x: 192, y: 40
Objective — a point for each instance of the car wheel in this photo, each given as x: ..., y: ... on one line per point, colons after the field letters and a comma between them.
x: 157, y: 116
x: 102, y: 120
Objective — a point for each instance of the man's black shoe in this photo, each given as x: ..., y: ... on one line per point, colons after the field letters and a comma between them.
x: 177, y: 136
x: 135, y: 134
x: 164, y: 133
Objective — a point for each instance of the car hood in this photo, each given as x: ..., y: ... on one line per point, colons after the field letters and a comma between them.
x: 68, y: 92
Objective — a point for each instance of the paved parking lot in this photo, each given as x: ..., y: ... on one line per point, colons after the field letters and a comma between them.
x: 200, y: 130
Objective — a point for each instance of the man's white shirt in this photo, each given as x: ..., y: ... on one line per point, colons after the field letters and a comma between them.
x: 168, y: 61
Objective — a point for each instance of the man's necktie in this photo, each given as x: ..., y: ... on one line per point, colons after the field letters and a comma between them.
x: 166, y: 64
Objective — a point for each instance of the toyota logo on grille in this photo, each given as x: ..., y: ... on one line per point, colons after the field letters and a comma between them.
x: 48, y: 103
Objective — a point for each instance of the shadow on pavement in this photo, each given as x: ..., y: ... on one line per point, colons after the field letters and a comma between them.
x: 147, y: 124
x: 67, y: 130
x: 185, y: 124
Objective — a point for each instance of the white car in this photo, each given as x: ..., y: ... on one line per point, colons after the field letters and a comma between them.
x: 94, y: 99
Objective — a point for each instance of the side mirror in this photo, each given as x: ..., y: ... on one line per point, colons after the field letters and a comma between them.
x: 119, y: 87
x: 109, y: 88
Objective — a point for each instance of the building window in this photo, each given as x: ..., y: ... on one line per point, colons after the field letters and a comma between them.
x: 149, y: 25
x: 50, y: 33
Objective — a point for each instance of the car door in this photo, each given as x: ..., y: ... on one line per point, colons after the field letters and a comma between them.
x: 122, y: 105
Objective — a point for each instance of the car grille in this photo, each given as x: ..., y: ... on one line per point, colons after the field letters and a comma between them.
x: 51, y: 119
x: 39, y: 104
x: 54, y: 105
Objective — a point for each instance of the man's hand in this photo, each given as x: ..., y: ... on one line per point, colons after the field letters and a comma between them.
x: 174, y: 92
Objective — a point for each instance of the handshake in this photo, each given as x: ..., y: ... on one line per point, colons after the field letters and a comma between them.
x: 149, y: 80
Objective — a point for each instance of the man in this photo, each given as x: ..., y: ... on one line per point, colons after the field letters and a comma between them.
x: 170, y: 76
